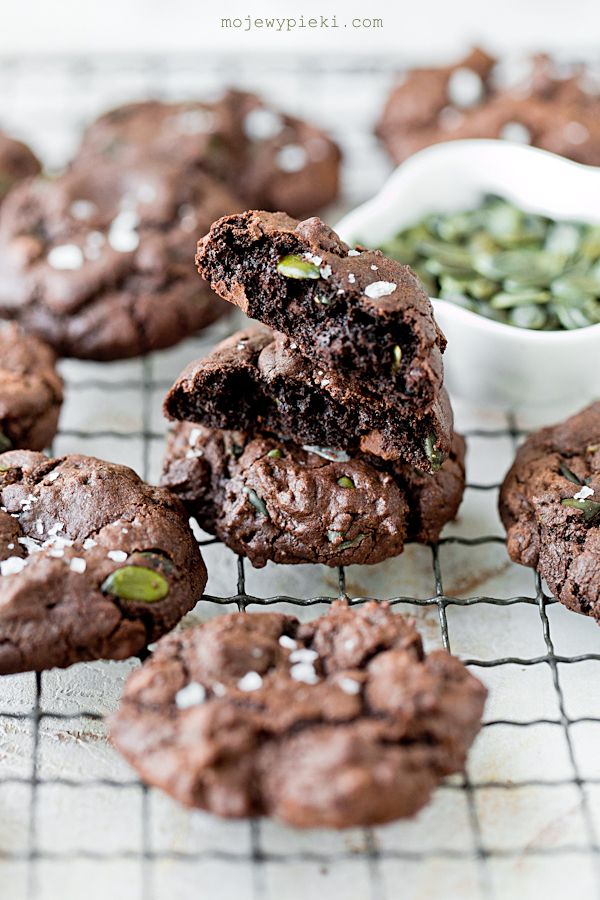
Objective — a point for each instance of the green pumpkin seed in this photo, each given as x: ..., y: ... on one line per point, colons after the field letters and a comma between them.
x: 433, y: 453
x: 570, y: 317
x: 334, y: 536
x: 574, y: 286
x: 346, y: 482
x: 527, y: 317
x: 397, y: 353
x: 524, y: 297
x: 354, y: 542
x: 275, y: 454
x: 563, y: 238
x: 589, y: 508
x: 567, y: 473
x: 5, y: 443
x: 293, y: 266
x: 507, y: 264
x: 136, y: 584
x: 258, y: 504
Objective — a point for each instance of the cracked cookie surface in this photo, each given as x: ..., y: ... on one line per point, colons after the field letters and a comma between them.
x: 94, y: 563
x: 96, y: 262
x: 550, y: 507
x: 340, y: 721
x: 31, y: 391
x: 273, y: 500
x: 535, y: 101
x: 268, y: 158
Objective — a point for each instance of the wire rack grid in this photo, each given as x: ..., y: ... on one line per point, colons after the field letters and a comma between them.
x: 523, y: 821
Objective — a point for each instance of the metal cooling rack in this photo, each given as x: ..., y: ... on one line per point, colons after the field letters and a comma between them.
x: 46, y: 101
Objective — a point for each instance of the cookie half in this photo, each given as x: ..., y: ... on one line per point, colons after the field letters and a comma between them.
x: 255, y: 381
x: 94, y: 563
x: 342, y: 721
x: 550, y: 507
x: 268, y: 499
x: 354, y: 312
x: 97, y: 261
x: 31, y: 391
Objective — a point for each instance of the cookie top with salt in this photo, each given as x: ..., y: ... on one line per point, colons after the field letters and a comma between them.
x: 94, y: 563
x: 339, y: 721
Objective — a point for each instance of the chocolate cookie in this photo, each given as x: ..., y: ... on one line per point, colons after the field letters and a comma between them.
x: 256, y: 382
x: 342, y: 721
x: 271, y: 500
x: 94, y: 563
x: 97, y: 262
x: 16, y: 163
x: 550, y: 506
x: 355, y: 312
x: 31, y: 391
x: 543, y: 106
x: 269, y: 159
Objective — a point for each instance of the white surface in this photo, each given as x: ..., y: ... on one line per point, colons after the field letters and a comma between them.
x: 514, y: 366
x: 435, y: 28
x: 90, y: 835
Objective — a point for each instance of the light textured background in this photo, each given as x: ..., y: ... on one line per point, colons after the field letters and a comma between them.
x: 431, y: 27
x: 524, y: 825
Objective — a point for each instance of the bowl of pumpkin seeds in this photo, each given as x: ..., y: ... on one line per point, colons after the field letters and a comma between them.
x: 506, y: 240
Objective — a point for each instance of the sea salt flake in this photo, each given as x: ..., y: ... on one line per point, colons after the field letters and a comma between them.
x: 89, y: 544
x: 304, y: 672
x: 351, y: 277
x: 66, y: 256
x: 196, y: 530
x: 218, y: 689
x: 313, y: 258
x: 584, y: 493
x: 380, y: 289
x: 515, y: 132
x: 353, y: 252
x: 304, y: 655
x: 261, y: 124
x: 122, y: 235
x: 325, y: 271
x: 465, y: 88
x: 82, y: 209
x: 349, y: 685
x: 576, y: 133
x: 292, y: 158
x: 12, y: 565
x: 78, y: 565
x: 251, y: 681
x: 117, y: 555
x: 191, y: 695
x: 287, y: 642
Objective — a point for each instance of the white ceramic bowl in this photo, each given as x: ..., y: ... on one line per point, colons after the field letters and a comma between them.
x: 488, y: 362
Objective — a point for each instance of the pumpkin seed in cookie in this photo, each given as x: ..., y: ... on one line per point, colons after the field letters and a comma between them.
x: 293, y: 266
x: 5, y: 443
x: 258, y: 504
x: 346, y: 482
x: 136, y: 584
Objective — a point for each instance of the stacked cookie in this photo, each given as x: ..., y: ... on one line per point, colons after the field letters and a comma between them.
x: 327, y: 435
